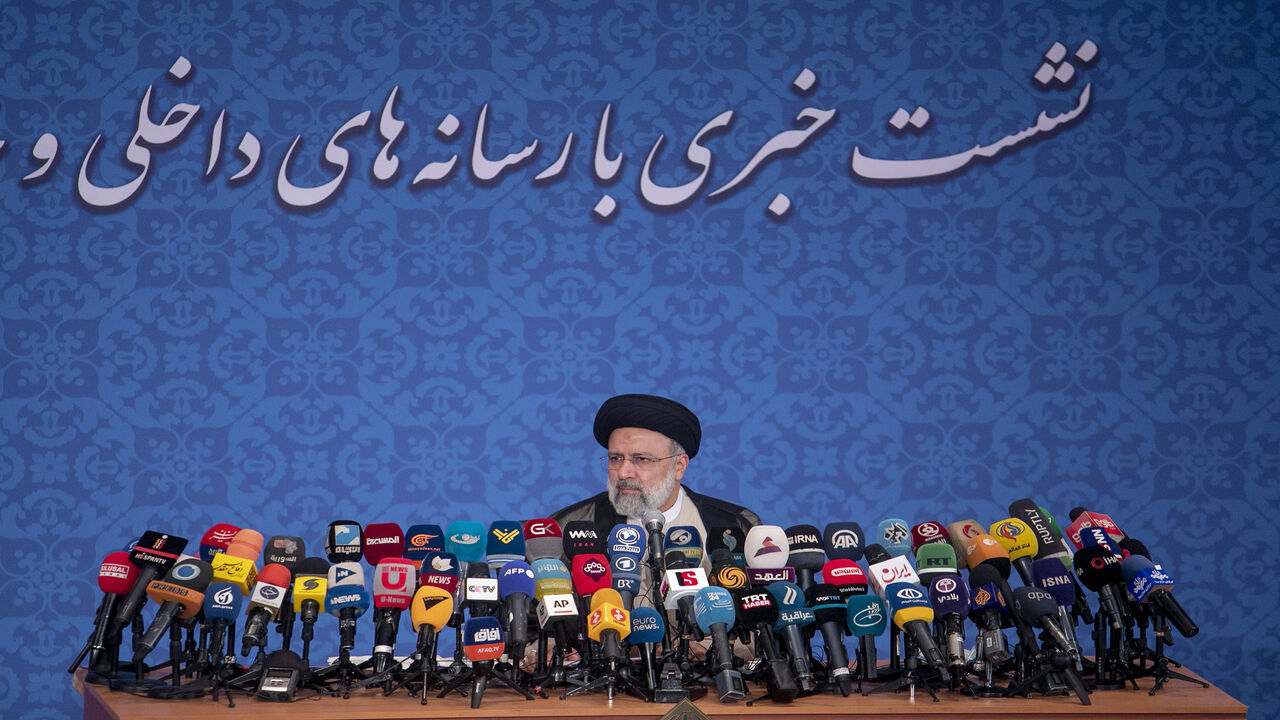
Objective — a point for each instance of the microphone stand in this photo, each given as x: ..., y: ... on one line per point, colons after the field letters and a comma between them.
x: 1161, y: 662
x: 478, y: 675
x: 912, y: 675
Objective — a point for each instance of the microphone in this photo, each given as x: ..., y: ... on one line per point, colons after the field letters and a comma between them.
x: 729, y: 539
x: 766, y: 547
x: 866, y: 618
x: 725, y: 572
x: 625, y: 570
x: 1099, y: 570
x: 441, y: 570
x: 505, y: 544
x: 950, y: 600
x: 987, y: 607
x: 347, y: 599
x: 884, y: 569
x: 805, y: 553
x: 793, y: 615
x: 935, y: 560
x: 1037, y: 607
x: 542, y: 539
x: 309, y: 585
x: 1091, y: 536
x: 394, y: 583
x: 895, y: 536
x: 715, y: 613
x: 516, y: 587
x: 759, y: 611
x: 180, y: 595
x: 686, y: 540
x: 1048, y: 540
x: 216, y: 539
x: 847, y: 576
x: 590, y: 574
x: 653, y: 521
x: 626, y: 539
x: 912, y: 614
x: 829, y: 610
x: 582, y: 537
x: 481, y: 590
x: 464, y: 539
x: 986, y: 551
x: 647, y: 629
x: 153, y: 555
x: 238, y: 563
x: 608, y: 624
x: 928, y: 532
x: 961, y: 532
x: 843, y: 541
x: 1018, y: 540
x: 482, y: 643
x: 1050, y: 575
x: 683, y: 585
x: 382, y: 541
x: 1148, y: 583
x: 116, y: 577
x: 222, y: 601
x: 557, y: 611
x: 285, y: 550
x: 264, y: 605
x: 430, y: 610
x: 344, y: 541
x: 1081, y: 519
x: 420, y: 541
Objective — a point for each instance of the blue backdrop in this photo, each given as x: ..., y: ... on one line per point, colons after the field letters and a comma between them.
x: 204, y: 320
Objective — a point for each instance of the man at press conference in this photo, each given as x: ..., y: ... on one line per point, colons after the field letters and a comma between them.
x: 650, y: 442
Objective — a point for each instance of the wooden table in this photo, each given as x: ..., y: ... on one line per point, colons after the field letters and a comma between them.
x: 1175, y: 700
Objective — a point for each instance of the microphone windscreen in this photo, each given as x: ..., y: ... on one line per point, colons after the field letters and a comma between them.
x: 420, y: 541
x: 482, y: 638
x: 382, y: 541
x: 876, y: 554
x: 928, y: 532
x: 590, y: 574
x: 843, y: 541
x: 626, y: 539
x: 805, y: 548
x: 346, y: 573
x: 986, y: 549
x: 961, y: 531
x: 827, y: 602
x: 948, y: 595
x: 1097, y: 566
x: 865, y: 616
x: 756, y: 606
x: 982, y: 575
x: 1050, y: 575
x: 908, y: 602
x: 625, y: 570
x: 714, y: 605
x: 431, y: 606
x: 605, y: 596
x: 727, y: 539
x: 346, y: 597
x: 344, y: 541
x: 894, y: 536
x: 582, y: 537
x: 846, y: 575
x: 684, y: 539
x: 274, y: 574
x: 222, y: 601
x: 675, y: 560
x: 1129, y: 546
x: 312, y: 566
x: 1033, y: 603
x: 116, y: 574
x: 216, y: 540
x: 1016, y: 538
x: 1028, y: 512
x: 515, y: 577
x: 935, y: 559
x: 646, y: 626
x: 1133, y: 565
x: 465, y: 539
x: 766, y: 547
x: 987, y: 595
x: 1097, y: 537
x: 1075, y: 512
x: 505, y: 542
x: 246, y: 544
x: 788, y: 595
x: 285, y: 550
x: 542, y: 539
x: 394, y: 581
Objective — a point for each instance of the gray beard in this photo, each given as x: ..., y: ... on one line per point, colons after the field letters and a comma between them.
x: 636, y: 505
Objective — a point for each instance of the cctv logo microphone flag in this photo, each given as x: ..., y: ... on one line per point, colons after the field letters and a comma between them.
x: 1148, y: 583
x: 843, y: 541
x: 542, y: 539
x: 465, y: 539
x: 686, y: 540
x: 829, y: 609
x: 928, y: 532
x: 894, y: 535
x: 715, y: 613
x: 180, y: 595
x: 264, y: 605
x: 154, y: 554
x: 394, y: 583
x: 846, y: 576
x: 382, y: 541
x: 480, y: 590
x: 216, y: 540
x: 344, y: 541
x: 422, y: 540
x: 505, y: 543
x: 804, y: 553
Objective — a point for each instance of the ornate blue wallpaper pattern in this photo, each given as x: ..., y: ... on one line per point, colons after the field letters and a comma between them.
x: 1089, y: 317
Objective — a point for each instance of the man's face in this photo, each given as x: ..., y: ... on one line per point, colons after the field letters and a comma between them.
x: 635, y: 487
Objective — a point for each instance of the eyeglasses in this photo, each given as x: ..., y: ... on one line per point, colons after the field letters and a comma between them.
x: 615, y: 461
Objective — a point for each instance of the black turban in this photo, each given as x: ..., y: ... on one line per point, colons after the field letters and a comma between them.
x: 649, y: 412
